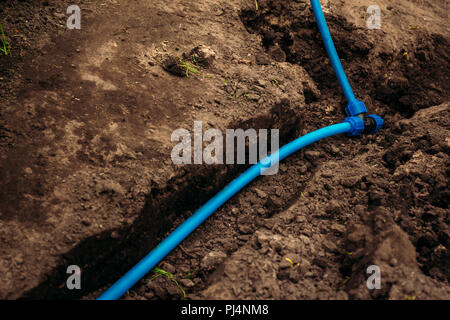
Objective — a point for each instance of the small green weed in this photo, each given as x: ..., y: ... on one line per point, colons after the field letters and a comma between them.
x: 189, y: 68
x: 5, y: 47
x: 160, y: 272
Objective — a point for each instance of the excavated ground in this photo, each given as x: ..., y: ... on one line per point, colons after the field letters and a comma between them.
x: 87, y: 179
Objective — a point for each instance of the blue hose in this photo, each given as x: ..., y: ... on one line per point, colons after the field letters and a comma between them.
x: 355, y: 106
x: 180, y: 233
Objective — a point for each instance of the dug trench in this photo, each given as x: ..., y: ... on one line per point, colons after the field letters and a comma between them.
x: 379, y: 200
x: 103, y: 257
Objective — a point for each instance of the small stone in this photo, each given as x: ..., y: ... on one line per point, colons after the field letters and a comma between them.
x: 253, y: 97
x: 338, y: 228
x: 212, y: 259
x: 278, y: 192
x: 245, y: 228
x: 305, y: 239
x: 168, y: 267
x: 350, y: 181
x: 312, y: 155
x: 187, y: 283
x: 329, y: 245
x: 261, y: 193
x: 300, y: 219
x: 202, y: 55
x: 18, y: 259
x: 334, y: 150
x: 302, y: 169
x: 262, y: 59
x: 327, y: 174
x: 261, y: 211
x: 333, y: 207
x: 262, y: 83
x: 172, y: 65
x: 115, y: 235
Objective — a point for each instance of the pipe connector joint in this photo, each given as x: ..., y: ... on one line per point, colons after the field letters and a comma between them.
x: 364, y: 124
x: 357, y: 126
x: 355, y: 107
x: 373, y: 124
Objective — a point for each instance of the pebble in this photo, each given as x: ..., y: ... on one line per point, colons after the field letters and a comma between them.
x: 253, y: 97
x: 329, y: 245
x: 304, y: 239
x: 245, y: 228
x: 18, y: 259
x: 115, y: 235
x: 261, y: 211
x: 303, y: 169
x: 312, y: 155
x: 261, y: 193
x: 262, y: 83
x: 212, y: 259
x: 187, y: 283
x: 333, y: 207
x: 338, y: 228
x: 168, y: 267
x: 334, y: 149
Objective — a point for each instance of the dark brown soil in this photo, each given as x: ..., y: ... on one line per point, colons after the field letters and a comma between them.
x: 86, y: 176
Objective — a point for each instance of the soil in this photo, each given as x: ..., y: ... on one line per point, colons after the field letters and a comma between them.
x: 86, y: 176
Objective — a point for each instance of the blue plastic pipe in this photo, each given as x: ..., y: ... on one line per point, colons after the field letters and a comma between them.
x: 355, y: 107
x: 180, y: 233
x: 331, y: 49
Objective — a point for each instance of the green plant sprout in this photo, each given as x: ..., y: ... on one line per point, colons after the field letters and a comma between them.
x: 160, y: 272
x: 346, y: 279
x: 292, y: 263
x: 188, y: 67
x: 3, y: 43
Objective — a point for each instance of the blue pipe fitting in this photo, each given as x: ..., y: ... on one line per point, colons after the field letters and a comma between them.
x: 357, y: 126
x: 378, y: 121
x: 355, y: 107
